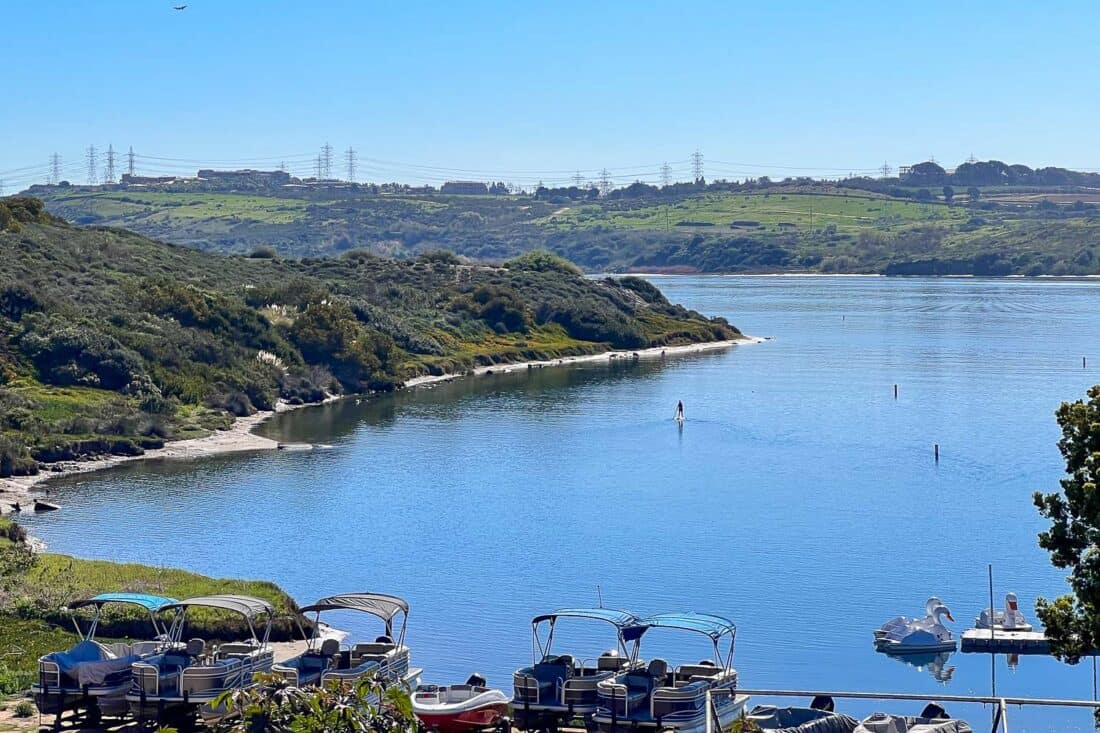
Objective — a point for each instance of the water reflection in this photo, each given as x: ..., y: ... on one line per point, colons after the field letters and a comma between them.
x: 935, y: 664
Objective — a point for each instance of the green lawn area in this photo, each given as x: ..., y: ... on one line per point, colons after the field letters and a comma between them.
x: 757, y: 212
x: 157, y: 207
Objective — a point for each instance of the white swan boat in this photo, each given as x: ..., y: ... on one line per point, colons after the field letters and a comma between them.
x: 1010, y: 619
x: 911, y: 636
x: 901, y: 622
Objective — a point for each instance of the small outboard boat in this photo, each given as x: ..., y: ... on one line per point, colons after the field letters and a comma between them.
x: 908, y: 636
x: 1010, y: 619
x: 460, y: 708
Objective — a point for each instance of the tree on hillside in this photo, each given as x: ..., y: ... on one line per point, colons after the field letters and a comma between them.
x: 948, y: 194
x: 1073, y: 621
x: 974, y: 193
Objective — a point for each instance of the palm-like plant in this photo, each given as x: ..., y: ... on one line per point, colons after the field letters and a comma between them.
x: 272, y: 705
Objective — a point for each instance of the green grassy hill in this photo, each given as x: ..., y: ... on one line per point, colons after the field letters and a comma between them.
x: 793, y: 227
x: 114, y: 343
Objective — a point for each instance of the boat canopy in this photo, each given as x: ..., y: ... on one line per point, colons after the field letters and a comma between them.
x: 381, y: 605
x: 148, y: 602
x: 247, y: 606
x: 703, y: 623
x: 619, y: 619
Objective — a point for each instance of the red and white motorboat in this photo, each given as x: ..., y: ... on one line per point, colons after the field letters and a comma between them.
x: 460, y: 708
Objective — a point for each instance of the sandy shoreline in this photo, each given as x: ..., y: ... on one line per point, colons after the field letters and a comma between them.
x: 239, y: 437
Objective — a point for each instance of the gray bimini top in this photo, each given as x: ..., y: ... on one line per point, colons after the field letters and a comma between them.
x: 381, y: 605
x: 247, y: 606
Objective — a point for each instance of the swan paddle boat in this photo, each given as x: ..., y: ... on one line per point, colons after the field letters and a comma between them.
x: 911, y: 636
x: 92, y: 678
x: 659, y: 697
x: 901, y: 622
x: 558, y: 689
x: 460, y: 708
x: 1010, y: 619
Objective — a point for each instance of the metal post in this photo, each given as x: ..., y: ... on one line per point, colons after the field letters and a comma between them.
x: 992, y: 636
x: 707, y: 704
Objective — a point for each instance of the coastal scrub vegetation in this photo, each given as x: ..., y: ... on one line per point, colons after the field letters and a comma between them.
x: 111, y: 343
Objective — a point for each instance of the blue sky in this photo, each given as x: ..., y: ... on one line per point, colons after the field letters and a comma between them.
x: 522, y: 91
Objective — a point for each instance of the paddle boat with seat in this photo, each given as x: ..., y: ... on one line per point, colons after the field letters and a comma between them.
x: 187, y: 677
x: 659, y: 698
x: 928, y: 635
x: 559, y: 689
x: 92, y: 678
x: 460, y: 708
x: 324, y: 660
x: 1010, y: 619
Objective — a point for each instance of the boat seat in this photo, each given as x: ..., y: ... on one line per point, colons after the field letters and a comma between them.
x: 689, y: 671
x: 195, y: 647
x: 657, y: 669
x: 610, y: 662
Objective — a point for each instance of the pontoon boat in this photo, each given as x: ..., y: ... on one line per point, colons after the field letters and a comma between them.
x: 324, y: 660
x: 658, y: 698
x: 187, y: 675
x: 91, y: 676
x: 558, y: 689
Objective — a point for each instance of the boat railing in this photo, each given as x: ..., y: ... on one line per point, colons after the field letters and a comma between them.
x: 1000, y: 703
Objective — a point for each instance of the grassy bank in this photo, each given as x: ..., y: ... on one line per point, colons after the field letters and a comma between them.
x: 34, y: 589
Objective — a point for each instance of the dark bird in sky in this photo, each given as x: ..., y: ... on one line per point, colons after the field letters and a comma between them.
x: 179, y: 7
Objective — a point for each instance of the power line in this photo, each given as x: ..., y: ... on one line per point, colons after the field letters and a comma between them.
x: 92, y: 159
x: 109, y: 174
x: 349, y: 157
x: 697, y: 166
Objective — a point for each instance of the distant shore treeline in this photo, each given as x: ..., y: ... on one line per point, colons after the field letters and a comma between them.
x: 113, y: 343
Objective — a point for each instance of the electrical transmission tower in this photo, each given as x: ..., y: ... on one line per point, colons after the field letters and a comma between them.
x: 605, y: 182
x: 326, y: 161
x: 697, y: 166
x: 55, y: 169
x: 578, y: 179
x: 282, y: 166
x: 130, y: 161
x: 666, y: 174
x: 92, y: 159
x: 350, y: 157
x: 109, y: 173
x: 972, y: 160
x: 886, y: 169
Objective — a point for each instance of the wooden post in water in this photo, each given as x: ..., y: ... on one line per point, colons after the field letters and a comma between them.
x: 1083, y: 362
x: 936, y: 450
x: 895, y: 391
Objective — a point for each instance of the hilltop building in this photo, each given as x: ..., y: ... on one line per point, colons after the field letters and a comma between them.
x: 468, y: 188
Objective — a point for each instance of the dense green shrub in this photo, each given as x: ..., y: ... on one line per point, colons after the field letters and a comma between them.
x: 330, y: 334
x: 75, y: 353
x: 542, y: 261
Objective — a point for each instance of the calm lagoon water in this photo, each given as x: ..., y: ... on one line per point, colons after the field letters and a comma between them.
x: 800, y: 498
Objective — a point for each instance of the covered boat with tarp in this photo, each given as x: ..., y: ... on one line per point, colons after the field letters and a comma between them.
x: 800, y: 720
x: 886, y: 723
x: 560, y: 688
x: 660, y: 697
x: 91, y: 678
x: 190, y: 675
x: 325, y: 660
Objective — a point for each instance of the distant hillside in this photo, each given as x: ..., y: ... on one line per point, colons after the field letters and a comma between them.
x: 112, y: 342
x: 917, y: 226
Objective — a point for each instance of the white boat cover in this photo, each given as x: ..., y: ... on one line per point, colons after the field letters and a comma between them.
x: 801, y: 720
x: 883, y: 723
